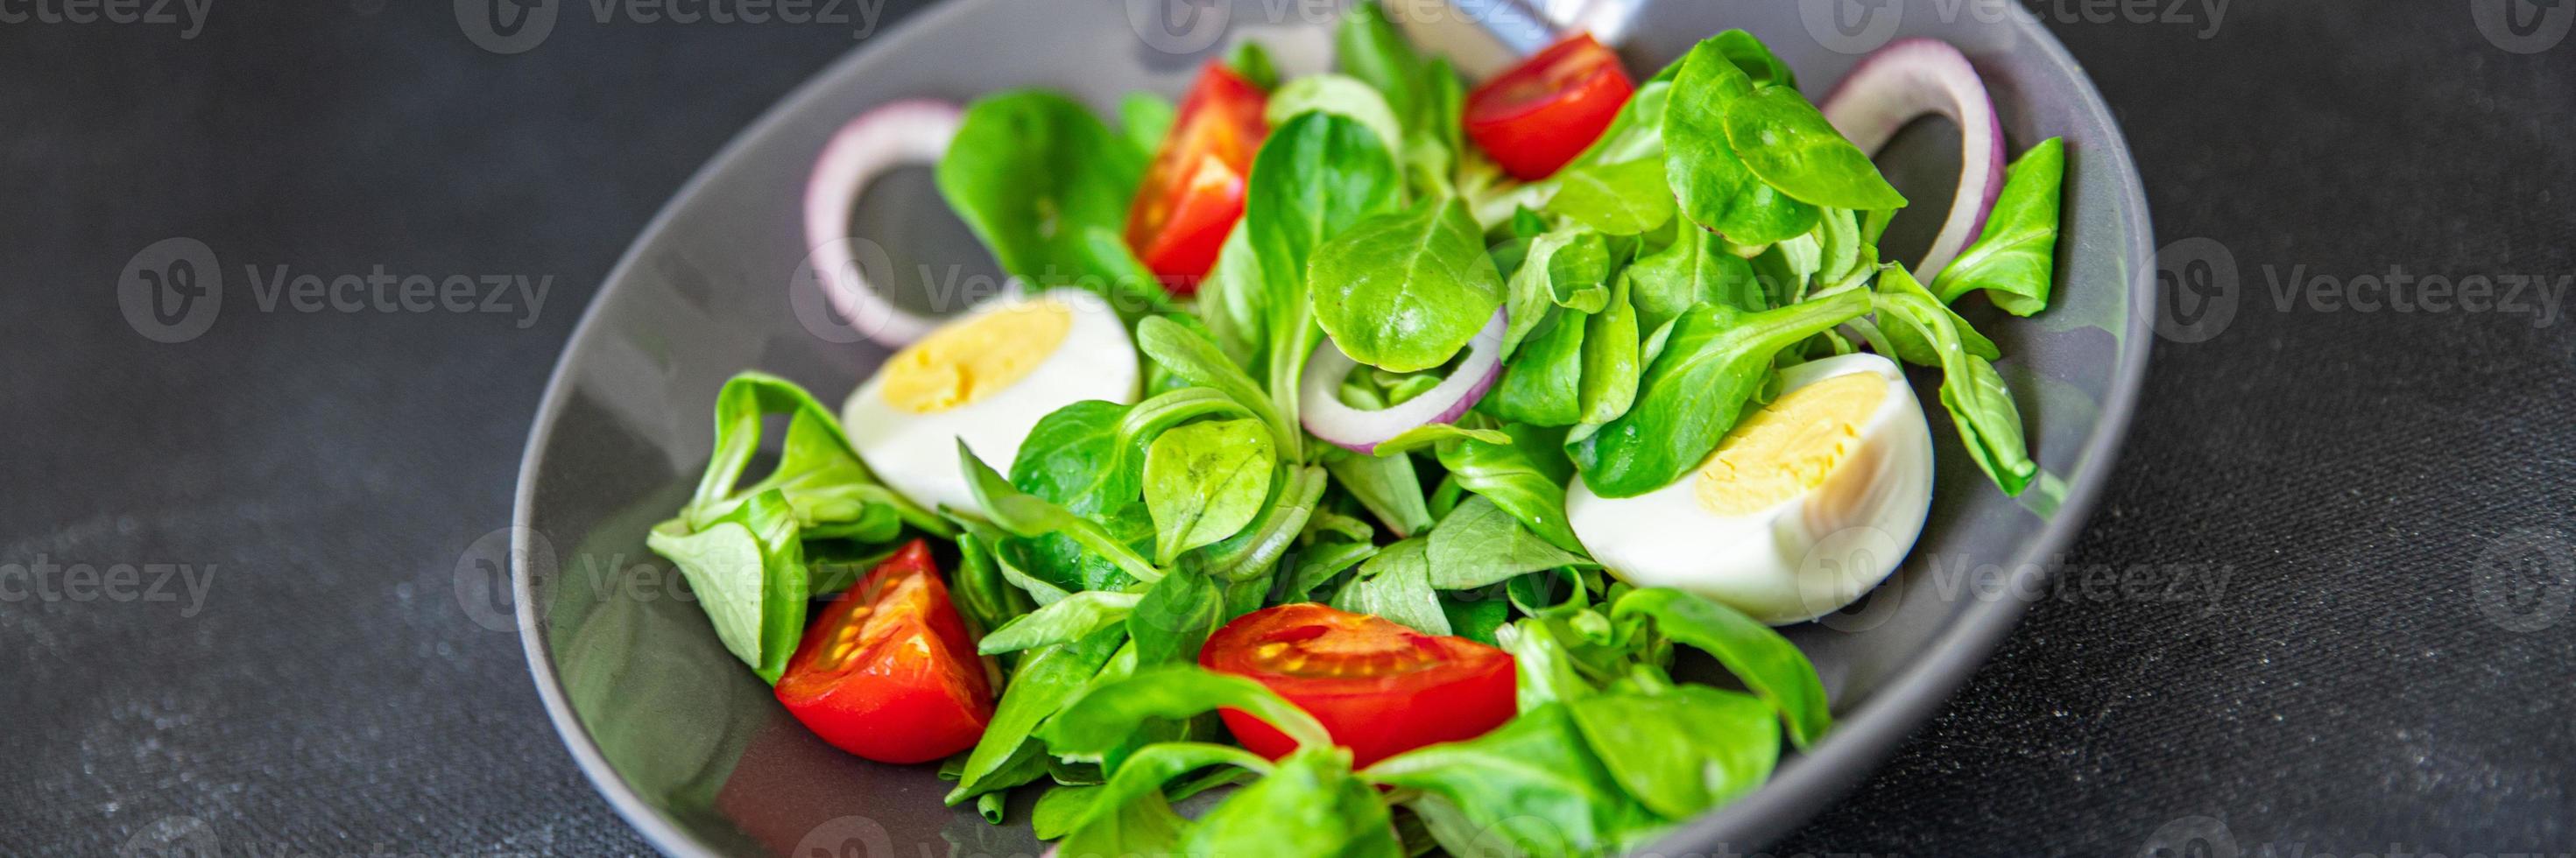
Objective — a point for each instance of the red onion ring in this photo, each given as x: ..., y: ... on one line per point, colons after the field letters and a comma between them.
x: 892, y: 135
x: 1911, y: 78
x: 1358, y: 431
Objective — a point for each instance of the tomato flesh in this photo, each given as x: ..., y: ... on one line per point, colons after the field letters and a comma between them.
x: 1378, y: 687
x: 890, y: 672
x: 1193, y: 193
x: 1538, y: 115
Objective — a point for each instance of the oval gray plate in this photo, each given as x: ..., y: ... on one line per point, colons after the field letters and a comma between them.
x: 688, y: 745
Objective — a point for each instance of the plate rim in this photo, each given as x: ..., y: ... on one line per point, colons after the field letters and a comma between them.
x: 1861, y: 740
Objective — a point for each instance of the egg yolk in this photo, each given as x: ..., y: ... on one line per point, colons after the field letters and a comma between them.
x: 975, y: 358
x: 1788, y: 448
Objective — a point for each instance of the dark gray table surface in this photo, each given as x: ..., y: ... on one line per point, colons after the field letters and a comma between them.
x: 2344, y: 533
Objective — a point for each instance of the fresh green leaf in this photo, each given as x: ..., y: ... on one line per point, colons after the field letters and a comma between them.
x: 1546, y: 669
x: 984, y: 593
x: 747, y: 570
x: 1794, y: 263
x: 1175, y: 618
x: 1435, y: 136
x: 1683, y: 751
x: 1107, y: 715
x: 1476, y: 616
x: 1715, y: 187
x: 1369, y: 47
x: 1714, y: 359
x: 1916, y: 340
x: 1251, y: 61
x: 1404, y: 291
x: 1525, y: 477
x: 1251, y: 554
x: 829, y: 488
x: 1146, y: 118
x: 1009, y: 557
x: 1340, y: 95
x: 1578, y: 274
x: 1429, y: 434
x: 1628, y: 198
x: 1142, y: 825
x: 1079, y: 458
x: 1695, y: 269
x: 1047, y: 679
x: 1610, y: 360
x: 1988, y: 421
x: 1231, y: 302
x: 1191, y: 356
x: 1532, y: 783
x: 2015, y: 259
x: 1768, y: 665
x: 1309, y: 805
x: 1026, y: 515
x: 1073, y: 618
x: 1148, y: 420
x: 1541, y: 385
x: 1981, y: 407
x: 1757, y: 61
x: 1042, y: 181
x: 832, y: 565
x: 1146, y: 772
x: 1388, y: 487
x: 1328, y: 523
x: 1318, y: 564
x: 1838, y: 247
x: 1059, y: 807
x: 1315, y: 177
x: 1637, y: 132
x: 1204, y: 482
x: 1445, y: 497
x: 1533, y: 289
x: 1480, y: 545
x: 1396, y: 584
x: 1790, y: 145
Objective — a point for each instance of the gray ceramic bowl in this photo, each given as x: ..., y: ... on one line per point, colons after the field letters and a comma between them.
x: 689, y: 746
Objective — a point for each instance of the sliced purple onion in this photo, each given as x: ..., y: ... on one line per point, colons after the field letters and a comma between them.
x: 893, y: 135
x: 1320, y: 405
x: 1912, y: 78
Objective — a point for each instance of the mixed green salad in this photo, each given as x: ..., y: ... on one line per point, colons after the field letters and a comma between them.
x: 1377, y: 448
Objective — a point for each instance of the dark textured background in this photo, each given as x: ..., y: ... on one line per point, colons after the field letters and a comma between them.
x: 2348, y: 476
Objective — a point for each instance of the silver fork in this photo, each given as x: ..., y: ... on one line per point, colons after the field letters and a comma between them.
x: 1485, y: 35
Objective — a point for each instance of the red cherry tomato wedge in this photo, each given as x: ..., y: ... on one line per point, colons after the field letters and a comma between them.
x: 1380, y: 688
x: 890, y: 673
x: 1194, y: 191
x: 1538, y: 115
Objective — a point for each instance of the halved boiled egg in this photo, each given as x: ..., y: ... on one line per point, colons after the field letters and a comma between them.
x: 1807, y: 504
x: 986, y: 378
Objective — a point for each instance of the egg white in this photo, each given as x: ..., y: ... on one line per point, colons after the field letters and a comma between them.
x: 916, y: 454
x: 1800, y: 559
